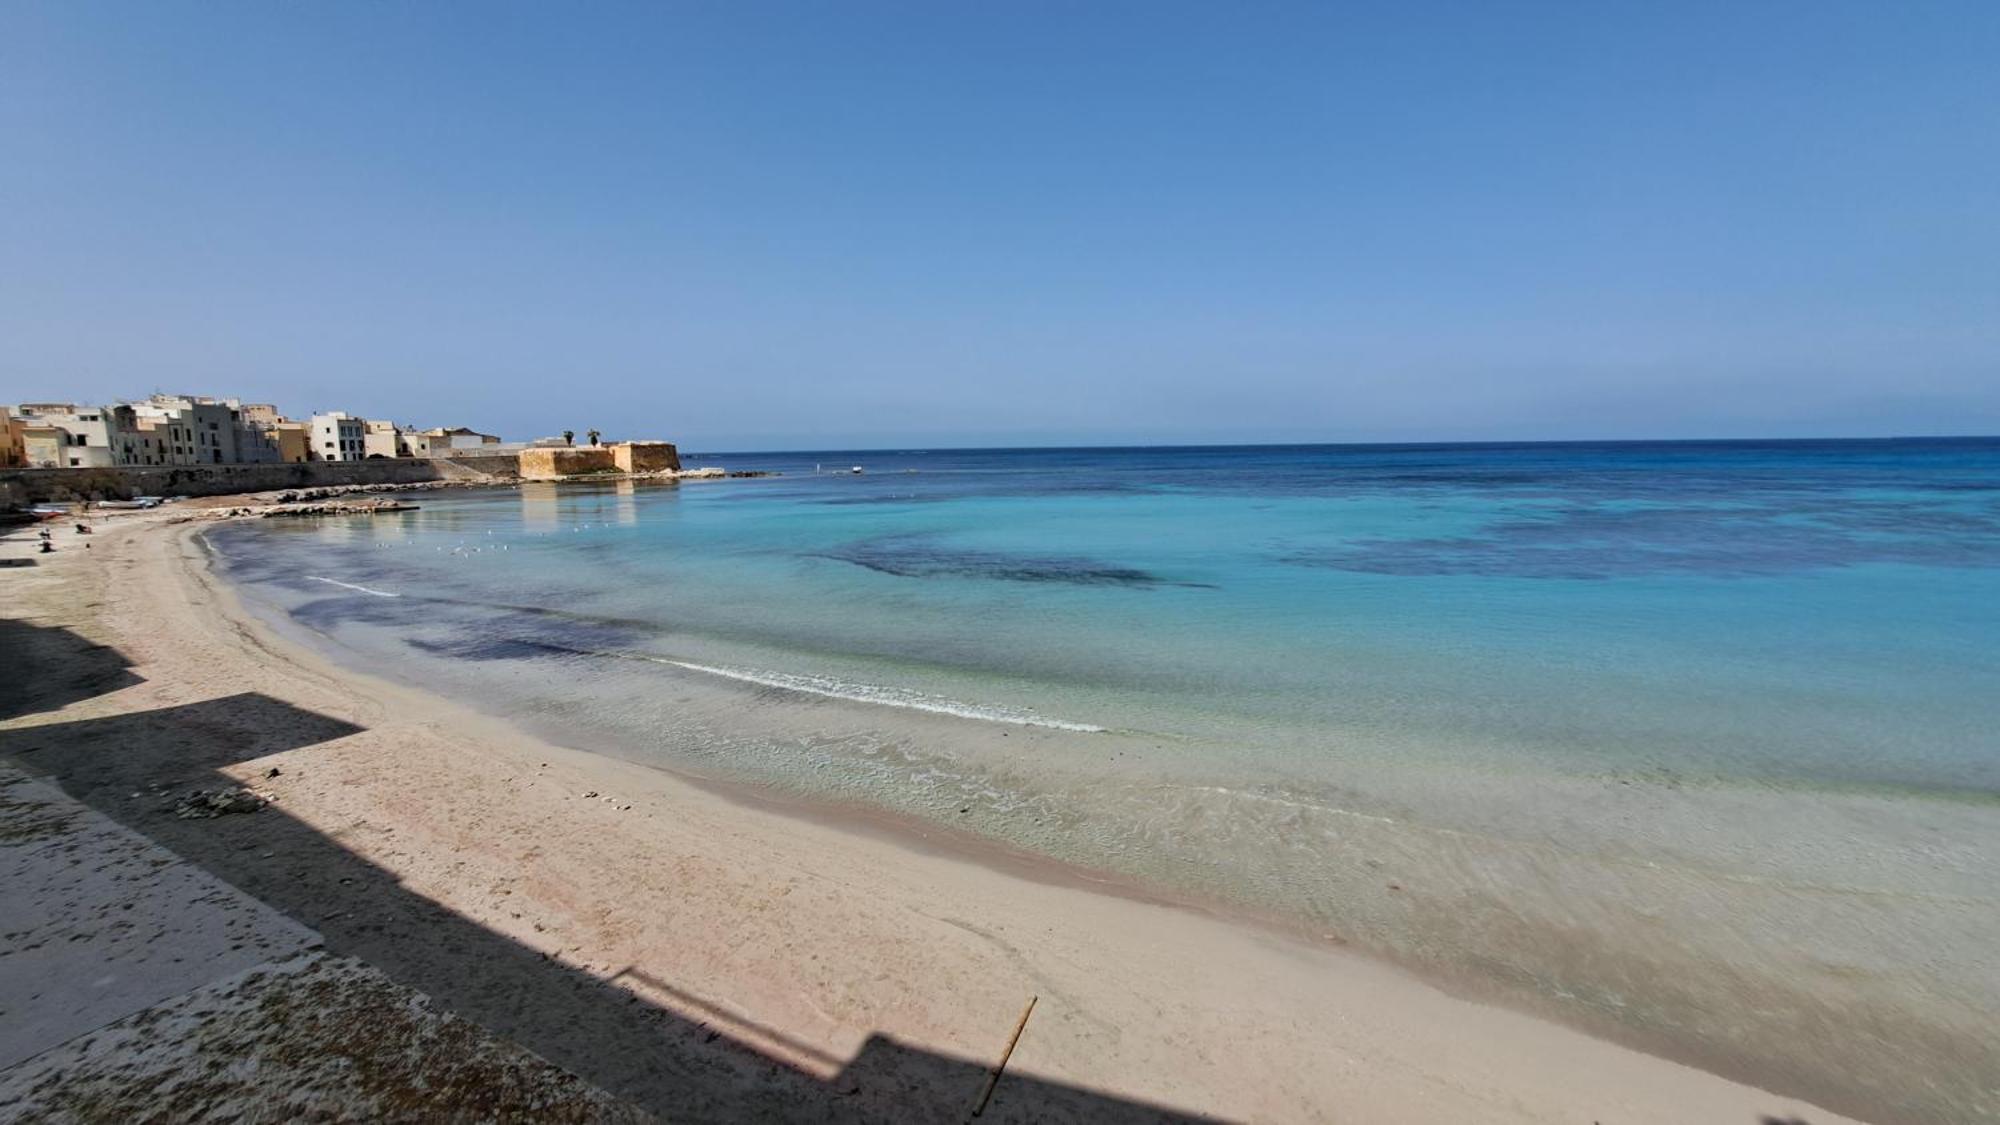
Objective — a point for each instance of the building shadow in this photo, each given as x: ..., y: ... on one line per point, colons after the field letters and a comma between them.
x: 683, y: 1068
x: 46, y: 668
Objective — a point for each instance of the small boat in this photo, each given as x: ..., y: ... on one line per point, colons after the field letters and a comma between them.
x: 855, y: 469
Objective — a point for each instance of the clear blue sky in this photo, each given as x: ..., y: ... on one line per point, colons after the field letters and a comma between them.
x: 824, y: 224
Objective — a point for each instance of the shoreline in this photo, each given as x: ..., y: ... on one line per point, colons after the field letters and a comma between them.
x: 1129, y: 1013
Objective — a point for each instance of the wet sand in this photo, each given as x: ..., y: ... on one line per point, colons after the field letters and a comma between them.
x: 711, y: 958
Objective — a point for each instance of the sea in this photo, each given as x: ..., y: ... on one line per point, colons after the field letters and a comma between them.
x: 1693, y: 744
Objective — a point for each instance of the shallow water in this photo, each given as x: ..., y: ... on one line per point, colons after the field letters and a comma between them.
x: 1692, y: 742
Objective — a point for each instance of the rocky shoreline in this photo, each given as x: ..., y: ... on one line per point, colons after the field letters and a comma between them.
x: 281, y: 511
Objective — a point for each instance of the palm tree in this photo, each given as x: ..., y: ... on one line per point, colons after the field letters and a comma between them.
x: 569, y: 437
x: 593, y: 436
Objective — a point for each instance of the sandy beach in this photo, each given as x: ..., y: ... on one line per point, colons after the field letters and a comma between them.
x: 711, y: 956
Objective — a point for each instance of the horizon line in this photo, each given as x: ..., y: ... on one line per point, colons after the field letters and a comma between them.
x: 941, y: 448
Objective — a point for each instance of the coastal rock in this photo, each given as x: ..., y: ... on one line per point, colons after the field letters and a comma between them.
x: 340, y: 508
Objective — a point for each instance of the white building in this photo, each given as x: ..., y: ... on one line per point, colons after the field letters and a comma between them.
x: 460, y: 439
x: 337, y: 436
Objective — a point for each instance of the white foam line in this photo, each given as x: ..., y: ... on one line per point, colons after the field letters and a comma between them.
x: 351, y: 586
x: 865, y: 693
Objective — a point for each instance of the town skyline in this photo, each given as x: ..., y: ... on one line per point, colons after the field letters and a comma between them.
x: 180, y: 429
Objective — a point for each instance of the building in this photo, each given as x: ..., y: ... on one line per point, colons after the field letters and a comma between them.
x: 65, y: 435
x: 142, y: 441
x: 256, y: 432
x: 294, y: 441
x: 48, y: 447
x: 13, y: 442
x: 272, y: 442
x: 412, y: 443
x: 336, y: 436
x: 264, y: 436
x: 443, y: 442
x: 198, y: 430
x: 378, y: 439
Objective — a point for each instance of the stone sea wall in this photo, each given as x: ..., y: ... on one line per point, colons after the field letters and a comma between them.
x: 555, y: 462
x: 22, y: 487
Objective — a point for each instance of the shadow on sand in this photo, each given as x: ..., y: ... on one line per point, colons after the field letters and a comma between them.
x: 43, y: 668
x: 679, y: 1068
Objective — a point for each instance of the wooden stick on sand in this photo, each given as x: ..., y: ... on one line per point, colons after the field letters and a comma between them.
x: 993, y: 1079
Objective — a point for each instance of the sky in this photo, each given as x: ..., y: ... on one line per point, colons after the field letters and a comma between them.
x: 821, y: 225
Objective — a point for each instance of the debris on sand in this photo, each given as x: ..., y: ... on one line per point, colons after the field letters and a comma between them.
x: 206, y: 804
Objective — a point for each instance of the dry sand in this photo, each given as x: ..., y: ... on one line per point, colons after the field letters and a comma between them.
x: 711, y: 958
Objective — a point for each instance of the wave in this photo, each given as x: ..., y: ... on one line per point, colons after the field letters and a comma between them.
x: 832, y: 688
x: 351, y: 586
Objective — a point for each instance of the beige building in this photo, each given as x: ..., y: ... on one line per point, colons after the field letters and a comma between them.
x: 282, y: 441
x: 48, y: 447
x: 263, y: 435
x: 256, y: 438
x: 378, y: 439
x: 294, y: 441
x: 412, y: 443
x: 13, y: 443
x: 85, y: 435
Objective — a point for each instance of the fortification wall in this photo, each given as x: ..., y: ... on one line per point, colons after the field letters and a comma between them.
x: 551, y: 462
x: 645, y: 456
x: 22, y: 487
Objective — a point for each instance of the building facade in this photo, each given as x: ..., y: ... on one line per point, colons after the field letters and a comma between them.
x: 378, y: 439
x: 264, y: 436
x: 445, y: 441
x: 337, y: 436
x: 13, y: 442
x: 412, y: 443
x: 64, y: 435
x: 196, y: 430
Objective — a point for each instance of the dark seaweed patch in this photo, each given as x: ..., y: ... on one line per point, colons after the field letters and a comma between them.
x: 1600, y: 542
x: 494, y: 648
x: 907, y: 558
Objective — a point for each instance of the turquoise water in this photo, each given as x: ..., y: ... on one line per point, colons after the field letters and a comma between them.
x: 1563, y: 718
